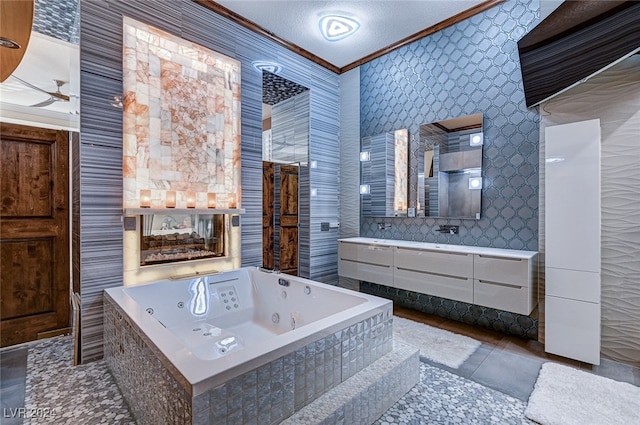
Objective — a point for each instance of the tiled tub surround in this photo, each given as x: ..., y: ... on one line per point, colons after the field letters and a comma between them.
x: 493, y: 288
x: 166, y: 382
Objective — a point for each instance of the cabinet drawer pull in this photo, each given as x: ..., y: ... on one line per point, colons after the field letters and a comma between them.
x: 364, y: 262
x: 499, y: 258
x: 507, y: 285
x: 432, y: 273
x: 434, y: 250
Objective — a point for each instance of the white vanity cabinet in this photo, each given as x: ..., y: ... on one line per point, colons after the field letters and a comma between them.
x: 497, y: 278
x: 370, y: 262
x: 440, y: 273
x: 505, y: 283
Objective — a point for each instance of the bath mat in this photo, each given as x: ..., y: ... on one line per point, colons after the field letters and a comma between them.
x: 567, y: 396
x: 59, y: 393
x: 435, y: 344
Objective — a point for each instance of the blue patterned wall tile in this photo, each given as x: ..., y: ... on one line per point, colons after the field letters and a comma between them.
x: 470, y: 67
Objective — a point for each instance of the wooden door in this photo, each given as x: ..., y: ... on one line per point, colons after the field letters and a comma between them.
x: 34, y: 233
x: 268, y: 186
x: 289, y: 219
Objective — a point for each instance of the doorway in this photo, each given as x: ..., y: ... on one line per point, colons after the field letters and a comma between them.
x: 34, y: 233
x: 280, y: 219
x: 285, y: 152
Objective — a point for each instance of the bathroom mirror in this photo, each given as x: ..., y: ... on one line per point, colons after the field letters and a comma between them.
x: 384, y: 174
x: 450, y: 168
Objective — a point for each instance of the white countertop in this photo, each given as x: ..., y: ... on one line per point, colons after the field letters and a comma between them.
x: 430, y: 246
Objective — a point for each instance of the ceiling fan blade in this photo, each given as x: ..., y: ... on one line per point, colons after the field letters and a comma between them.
x: 45, y: 103
x: 59, y: 96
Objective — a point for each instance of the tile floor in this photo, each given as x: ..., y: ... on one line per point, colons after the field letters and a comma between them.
x: 13, y: 374
x: 511, y: 364
x: 504, y: 363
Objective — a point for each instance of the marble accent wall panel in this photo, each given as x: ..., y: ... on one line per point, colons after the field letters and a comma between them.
x: 470, y: 67
x: 181, y: 121
x: 101, y: 150
x: 614, y: 97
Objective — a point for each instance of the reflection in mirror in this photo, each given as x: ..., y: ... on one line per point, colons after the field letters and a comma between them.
x: 450, y: 168
x: 285, y: 154
x: 384, y: 174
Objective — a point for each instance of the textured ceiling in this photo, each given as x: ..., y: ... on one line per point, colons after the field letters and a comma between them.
x: 383, y: 22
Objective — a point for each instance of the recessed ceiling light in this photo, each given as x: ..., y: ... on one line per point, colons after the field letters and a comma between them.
x: 337, y: 27
x: 271, y: 67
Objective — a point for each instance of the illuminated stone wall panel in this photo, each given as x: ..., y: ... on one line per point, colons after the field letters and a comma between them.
x: 181, y: 120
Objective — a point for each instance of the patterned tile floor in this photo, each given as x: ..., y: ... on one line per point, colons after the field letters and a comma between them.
x: 492, y: 386
x: 444, y: 398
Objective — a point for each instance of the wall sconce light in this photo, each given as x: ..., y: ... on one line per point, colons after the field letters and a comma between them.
x: 211, y: 200
x: 365, y: 156
x: 191, y: 199
x: 337, y: 27
x: 313, y: 164
x: 170, y: 200
x: 475, y: 183
x: 314, y: 192
x: 365, y: 189
x: 145, y: 198
x: 476, y: 139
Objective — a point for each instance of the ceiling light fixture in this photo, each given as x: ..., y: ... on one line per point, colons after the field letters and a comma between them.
x: 337, y: 27
x: 272, y: 67
x: 9, y: 43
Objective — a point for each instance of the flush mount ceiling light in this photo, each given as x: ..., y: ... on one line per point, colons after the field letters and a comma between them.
x: 9, y: 43
x: 271, y: 67
x: 337, y: 27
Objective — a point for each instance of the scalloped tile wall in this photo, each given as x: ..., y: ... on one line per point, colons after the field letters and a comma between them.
x: 470, y: 67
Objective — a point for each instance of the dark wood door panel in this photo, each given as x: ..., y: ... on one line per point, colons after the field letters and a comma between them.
x: 25, y: 185
x: 268, y: 228
x: 34, y: 232
x: 289, y: 219
x: 288, y: 190
x: 24, y: 329
x: 26, y: 282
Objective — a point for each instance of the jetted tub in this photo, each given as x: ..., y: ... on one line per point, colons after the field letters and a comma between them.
x: 238, y: 346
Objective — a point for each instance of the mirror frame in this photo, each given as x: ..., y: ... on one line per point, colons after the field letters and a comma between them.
x: 450, y: 168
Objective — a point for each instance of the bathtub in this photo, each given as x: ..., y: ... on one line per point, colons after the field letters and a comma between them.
x: 239, y: 345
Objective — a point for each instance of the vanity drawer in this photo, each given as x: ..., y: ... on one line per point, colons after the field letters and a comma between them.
x: 374, y: 254
x: 366, y: 262
x: 508, y: 297
x: 438, y: 262
x: 445, y: 286
x: 514, y: 271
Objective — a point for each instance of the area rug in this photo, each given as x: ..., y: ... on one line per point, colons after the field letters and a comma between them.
x: 444, y: 398
x: 435, y: 344
x: 567, y: 396
x: 59, y: 393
